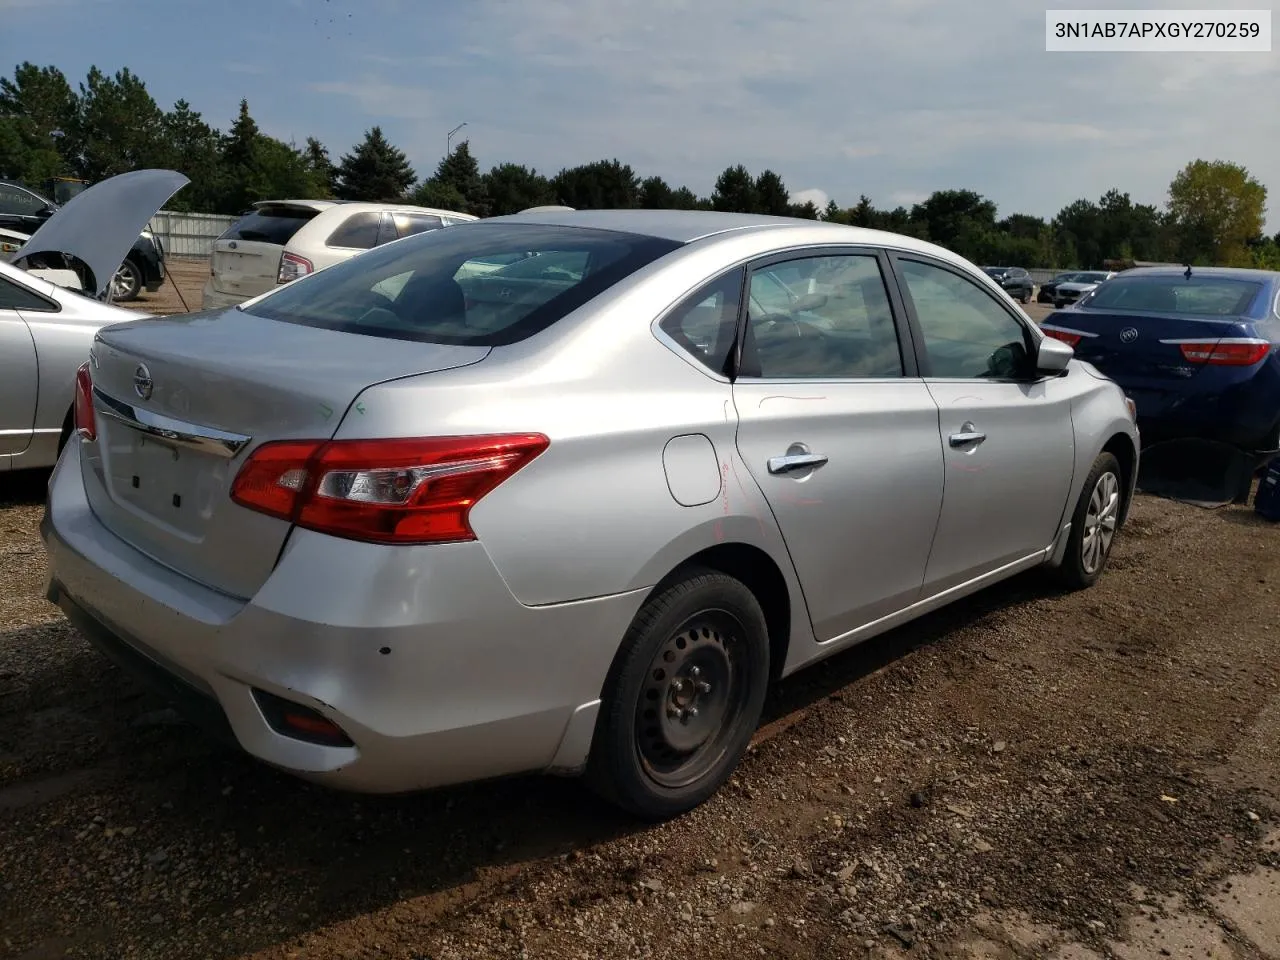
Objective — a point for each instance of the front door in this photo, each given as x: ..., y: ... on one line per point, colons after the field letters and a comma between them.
x: 840, y: 434
x: 1006, y: 434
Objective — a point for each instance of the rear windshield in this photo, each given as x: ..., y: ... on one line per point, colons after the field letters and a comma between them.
x: 478, y: 284
x: 270, y: 224
x: 1198, y: 296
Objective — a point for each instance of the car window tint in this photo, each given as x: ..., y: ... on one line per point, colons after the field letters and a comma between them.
x: 270, y: 224
x: 447, y: 286
x: 967, y: 334
x: 14, y: 296
x: 19, y: 202
x: 407, y: 224
x: 358, y: 232
x: 705, y: 323
x: 834, y: 321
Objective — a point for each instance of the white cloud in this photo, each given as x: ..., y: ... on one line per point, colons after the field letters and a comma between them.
x: 819, y: 197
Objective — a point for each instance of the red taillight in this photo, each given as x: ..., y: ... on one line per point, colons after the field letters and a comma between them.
x: 383, y: 491
x: 292, y: 267
x: 1226, y: 353
x: 1070, y: 339
x: 86, y: 424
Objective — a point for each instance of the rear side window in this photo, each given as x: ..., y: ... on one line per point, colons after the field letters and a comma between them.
x: 358, y: 232
x: 1198, y: 296
x: 448, y: 286
x: 706, y: 323
x: 270, y: 224
x: 15, y: 297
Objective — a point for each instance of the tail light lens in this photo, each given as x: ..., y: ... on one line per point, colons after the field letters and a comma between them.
x: 1226, y: 353
x: 292, y: 267
x: 86, y: 424
x: 382, y: 491
x: 1070, y: 339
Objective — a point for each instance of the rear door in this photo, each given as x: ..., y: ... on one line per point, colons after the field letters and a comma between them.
x: 1006, y: 435
x: 246, y: 258
x: 19, y: 374
x: 840, y: 434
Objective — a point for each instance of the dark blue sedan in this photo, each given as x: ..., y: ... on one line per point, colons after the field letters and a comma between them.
x: 1196, y: 349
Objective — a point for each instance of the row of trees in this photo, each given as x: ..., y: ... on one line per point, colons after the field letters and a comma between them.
x: 111, y: 124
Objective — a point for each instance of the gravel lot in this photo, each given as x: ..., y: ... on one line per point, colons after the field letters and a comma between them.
x: 1025, y: 774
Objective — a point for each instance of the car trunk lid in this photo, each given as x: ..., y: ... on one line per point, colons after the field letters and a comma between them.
x: 1150, y: 356
x: 246, y: 258
x: 181, y: 402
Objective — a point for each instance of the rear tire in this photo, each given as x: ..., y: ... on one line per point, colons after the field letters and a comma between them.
x: 683, y: 698
x: 127, y: 283
x: 1093, y: 525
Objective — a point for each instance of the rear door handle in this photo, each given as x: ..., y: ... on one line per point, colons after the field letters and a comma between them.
x: 796, y: 461
x: 968, y: 434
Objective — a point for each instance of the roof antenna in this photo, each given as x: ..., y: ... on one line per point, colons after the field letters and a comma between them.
x: 1187, y: 273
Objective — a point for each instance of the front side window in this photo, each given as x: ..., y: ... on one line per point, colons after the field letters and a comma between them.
x: 833, y: 321
x: 447, y: 286
x: 18, y: 202
x: 407, y: 224
x: 967, y: 333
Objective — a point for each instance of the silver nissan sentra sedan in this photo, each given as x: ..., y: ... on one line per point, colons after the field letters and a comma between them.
x: 565, y: 491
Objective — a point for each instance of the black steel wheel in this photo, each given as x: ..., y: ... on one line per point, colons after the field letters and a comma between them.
x: 683, y: 698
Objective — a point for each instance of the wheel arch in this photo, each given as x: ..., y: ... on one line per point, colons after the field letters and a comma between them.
x: 1120, y: 446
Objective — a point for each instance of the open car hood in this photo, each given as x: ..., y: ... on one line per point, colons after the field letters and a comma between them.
x: 99, y: 226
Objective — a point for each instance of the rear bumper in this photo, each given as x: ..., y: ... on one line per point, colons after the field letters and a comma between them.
x: 212, y: 299
x: 435, y: 673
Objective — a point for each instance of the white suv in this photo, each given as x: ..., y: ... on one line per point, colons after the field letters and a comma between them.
x: 281, y: 240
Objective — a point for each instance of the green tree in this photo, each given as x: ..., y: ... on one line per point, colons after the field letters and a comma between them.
x: 735, y: 191
x: 323, y: 173
x: 864, y: 214
x: 685, y: 199
x: 1216, y: 208
x: 374, y: 170
x: 193, y: 149
x: 772, y: 196
x: 960, y: 220
x: 511, y: 187
x: 656, y: 194
x: 120, y: 127
x: 441, y: 196
x: 602, y: 185
x: 39, y: 115
x: 460, y: 173
x: 832, y: 213
x: 805, y: 211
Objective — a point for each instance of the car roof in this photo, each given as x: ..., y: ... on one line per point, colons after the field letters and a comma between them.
x: 686, y: 226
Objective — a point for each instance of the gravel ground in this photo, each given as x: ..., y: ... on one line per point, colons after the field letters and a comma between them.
x: 1022, y: 771
x: 1025, y: 774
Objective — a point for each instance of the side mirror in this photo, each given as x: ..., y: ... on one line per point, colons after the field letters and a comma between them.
x: 1052, y: 356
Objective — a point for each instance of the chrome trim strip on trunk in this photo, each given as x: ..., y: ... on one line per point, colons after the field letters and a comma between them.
x: 220, y: 443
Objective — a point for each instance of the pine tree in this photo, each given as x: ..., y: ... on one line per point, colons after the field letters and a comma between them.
x: 374, y: 170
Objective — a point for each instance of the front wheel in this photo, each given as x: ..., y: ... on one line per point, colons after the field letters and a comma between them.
x: 1093, y: 525
x: 683, y: 698
x: 127, y: 283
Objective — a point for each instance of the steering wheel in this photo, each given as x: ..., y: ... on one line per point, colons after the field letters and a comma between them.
x: 775, y: 319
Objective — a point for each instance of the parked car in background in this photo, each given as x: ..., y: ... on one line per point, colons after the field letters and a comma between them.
x: 399, y: 524
x: 1014, y: 280
x: 1079, y: 285
x: 24, y: 211
x: 1196, y: 350
x: 281, y: 240
x: 46, y: 329
x: 1044, y: 293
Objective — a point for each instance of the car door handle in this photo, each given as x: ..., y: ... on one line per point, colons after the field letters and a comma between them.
x: 796, y: 461
x: 967, y: 436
